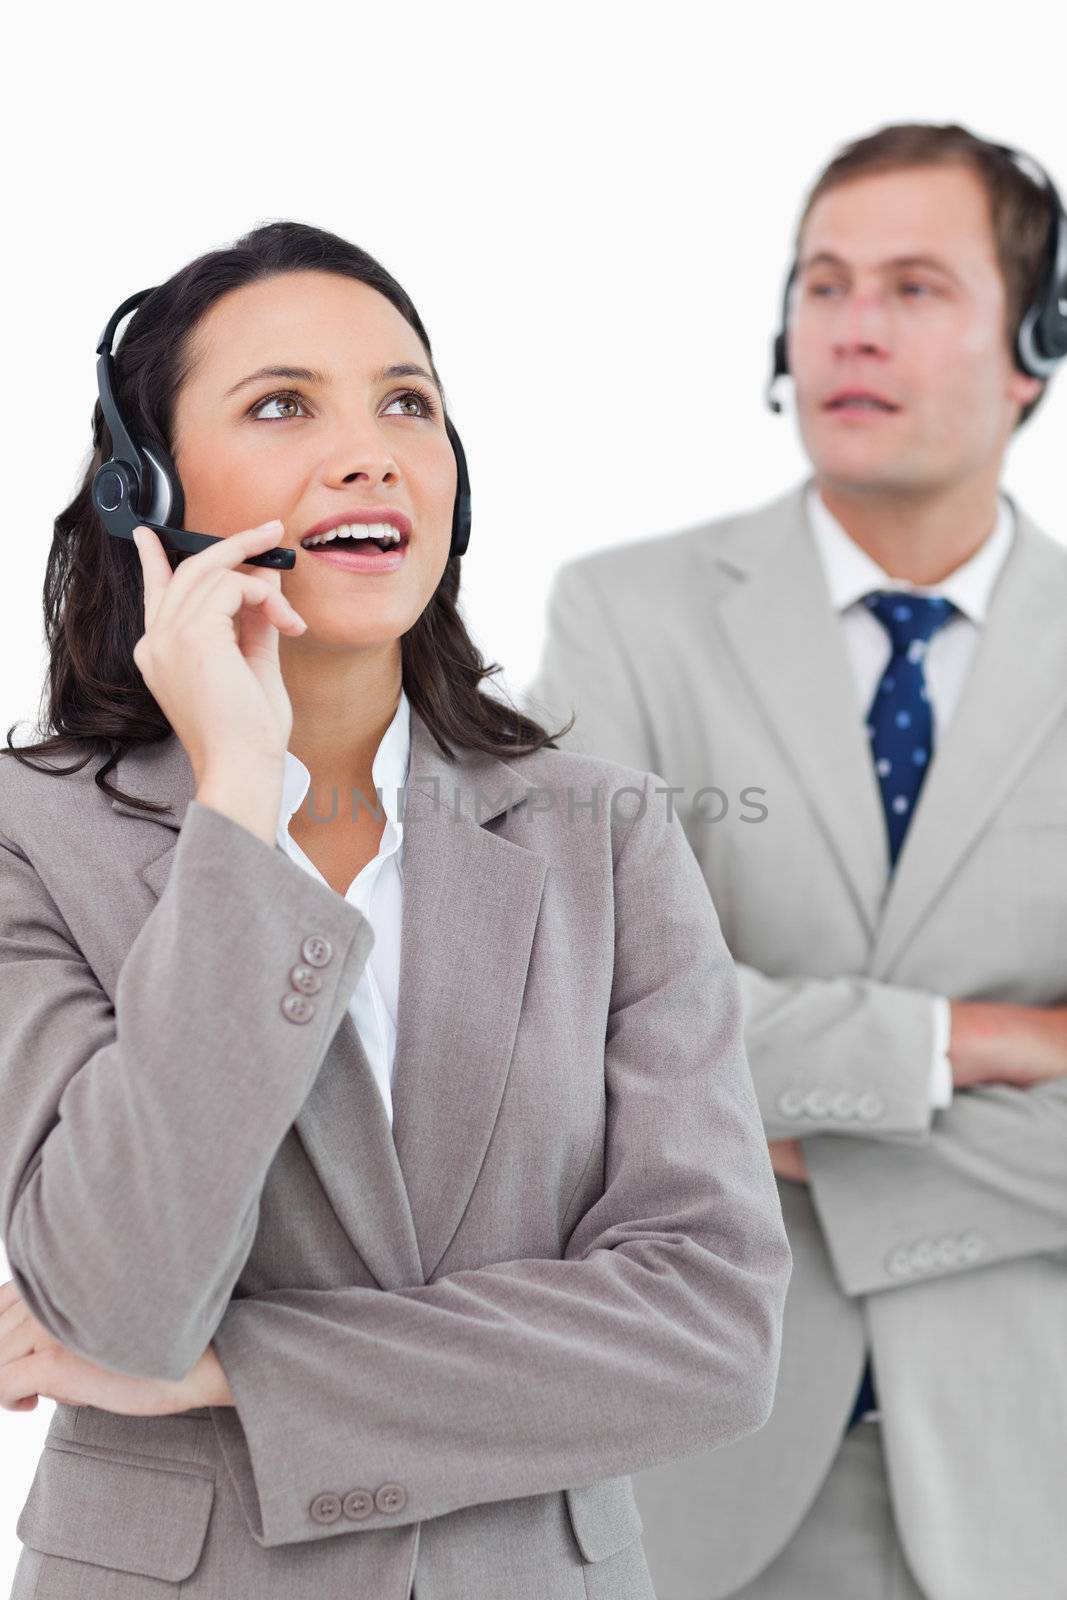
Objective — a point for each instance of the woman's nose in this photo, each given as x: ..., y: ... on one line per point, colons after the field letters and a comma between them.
x: 361, y: 453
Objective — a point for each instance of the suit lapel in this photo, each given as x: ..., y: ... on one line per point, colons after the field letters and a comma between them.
x: 470, y: 904
x: 471, y: 901
x: 1015, y: 690
x: 786, y: 639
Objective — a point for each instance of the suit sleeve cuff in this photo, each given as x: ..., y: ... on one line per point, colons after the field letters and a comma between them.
x: 941, y: 1085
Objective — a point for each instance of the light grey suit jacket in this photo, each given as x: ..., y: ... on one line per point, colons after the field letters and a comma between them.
x: 450, y: 1342
x: 713, y: 656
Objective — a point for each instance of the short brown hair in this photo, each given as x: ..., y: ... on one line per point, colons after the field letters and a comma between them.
x: 1019, y: 206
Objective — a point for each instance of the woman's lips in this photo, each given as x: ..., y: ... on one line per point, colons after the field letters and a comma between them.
x: 364, y: 557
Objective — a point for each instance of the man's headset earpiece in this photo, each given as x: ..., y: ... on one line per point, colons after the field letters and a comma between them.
x: 1041, y: 338
x: 139, y: 483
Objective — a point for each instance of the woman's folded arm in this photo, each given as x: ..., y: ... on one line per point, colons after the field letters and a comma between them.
x: 135, y: 1139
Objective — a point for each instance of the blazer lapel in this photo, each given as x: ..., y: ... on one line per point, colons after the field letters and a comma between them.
x: 1015, y: 691
x: 471, y: 902
x: 784, y: 633
x: 470, y: 905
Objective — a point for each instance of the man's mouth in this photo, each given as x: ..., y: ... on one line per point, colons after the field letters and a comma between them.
x: 859, y: 400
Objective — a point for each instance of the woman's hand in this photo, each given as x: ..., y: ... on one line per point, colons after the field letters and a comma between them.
x: 209, y: 652
x: 33, y: 1363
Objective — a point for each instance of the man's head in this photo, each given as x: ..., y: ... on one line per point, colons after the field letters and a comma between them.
x: 918, y: 251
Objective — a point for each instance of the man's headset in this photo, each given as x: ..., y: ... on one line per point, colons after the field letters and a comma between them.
x: 1041, y: 339
x: 139, y: 483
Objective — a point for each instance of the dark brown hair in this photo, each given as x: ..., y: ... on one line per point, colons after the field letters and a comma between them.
x: 95, y: 701
x: 1019, y: 206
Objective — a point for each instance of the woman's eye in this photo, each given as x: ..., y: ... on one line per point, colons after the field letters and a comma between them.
x: 414, y: 401
x: 275, y: 399
x: 919, y: 288
x: 414, y: 397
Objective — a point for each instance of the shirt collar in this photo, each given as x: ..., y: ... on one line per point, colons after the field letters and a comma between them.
x: 851, y: 572
x: 389, y: 772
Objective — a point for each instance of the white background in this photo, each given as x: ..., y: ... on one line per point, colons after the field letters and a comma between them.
x: 591, y: 205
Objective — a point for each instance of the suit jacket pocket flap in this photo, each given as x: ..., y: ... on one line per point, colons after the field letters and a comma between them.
x: 604, y: 1516
x: 90, y: 1506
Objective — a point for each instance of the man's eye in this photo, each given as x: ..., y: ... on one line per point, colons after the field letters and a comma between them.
x: 913, y: 289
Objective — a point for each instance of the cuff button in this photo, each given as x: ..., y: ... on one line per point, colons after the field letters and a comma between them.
x: 359, y: 1503
x: 326, y: 1507
x: 899, y: 1263
x: 305, y: 979
x: 316, y: 950
x: 298, y: 1008
x: 391, y: 1497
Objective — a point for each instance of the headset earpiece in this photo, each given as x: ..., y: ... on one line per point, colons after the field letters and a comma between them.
x: 461, y: 510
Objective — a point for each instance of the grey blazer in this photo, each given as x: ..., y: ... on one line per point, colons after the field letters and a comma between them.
x: 713, y: 656
x: 450, y: 1342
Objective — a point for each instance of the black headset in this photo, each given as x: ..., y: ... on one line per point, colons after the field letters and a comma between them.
x: 139, y: 483
x: 1041, y: 338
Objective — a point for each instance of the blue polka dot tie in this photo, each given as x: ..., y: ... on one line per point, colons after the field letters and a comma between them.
x: 899, y: 721
x: 900, y: 727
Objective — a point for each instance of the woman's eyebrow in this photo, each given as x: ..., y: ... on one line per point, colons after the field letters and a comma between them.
x: 401, y: 369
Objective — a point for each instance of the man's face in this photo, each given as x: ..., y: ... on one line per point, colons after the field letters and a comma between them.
x: 899, y: 298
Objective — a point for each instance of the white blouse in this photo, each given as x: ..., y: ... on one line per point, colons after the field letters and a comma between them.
x: 376, y: 891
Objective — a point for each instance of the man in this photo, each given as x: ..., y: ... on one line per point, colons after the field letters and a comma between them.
x: 857, y: 695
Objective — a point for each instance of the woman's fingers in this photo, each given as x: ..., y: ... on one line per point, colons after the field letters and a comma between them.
x: 200, y: 621
x: 18, y: 1384
x: 230, y: 552
x: 228, y: 593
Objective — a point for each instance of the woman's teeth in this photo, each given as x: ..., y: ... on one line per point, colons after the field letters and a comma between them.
x: 358, y: 530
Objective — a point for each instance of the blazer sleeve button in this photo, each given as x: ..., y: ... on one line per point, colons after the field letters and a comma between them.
x: 298, y: 1008
x: 316, y: 950
x: 947, y: 1251
x: 899, y: 1263
x: 391, y: 1497
x: 923, y: 1255
x: 326, y: 1507
x: 870, y: 1106
x: 359, y: 1503
x: 305, y: 979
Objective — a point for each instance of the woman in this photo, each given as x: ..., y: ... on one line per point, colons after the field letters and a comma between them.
x: 288, y: 1278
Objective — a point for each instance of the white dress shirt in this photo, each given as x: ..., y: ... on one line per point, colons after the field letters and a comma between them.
x: 850, y: 574
x: 376, y: 890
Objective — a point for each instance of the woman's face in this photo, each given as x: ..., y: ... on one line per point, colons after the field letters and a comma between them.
x: 351, y: 439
